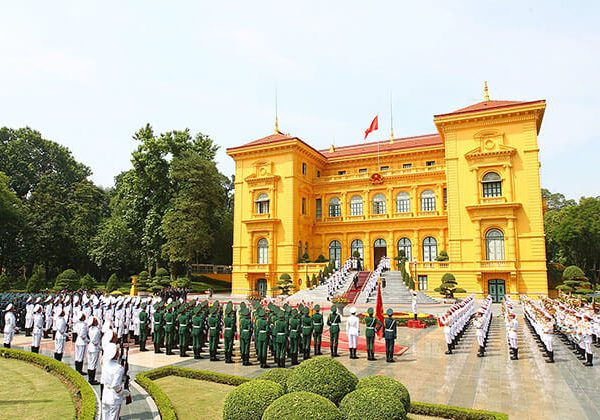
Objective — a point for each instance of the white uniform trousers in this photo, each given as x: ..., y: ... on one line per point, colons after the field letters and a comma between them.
x: 547, y: 338
x: 352, y: 340
x: 80, y: 352
x: 36, y: 339
x: 8, y: 336
x: 92, y: 359
x: 480, y: 335
x: 59, y: 344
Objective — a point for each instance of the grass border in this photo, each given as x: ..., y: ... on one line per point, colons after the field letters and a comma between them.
x: 84, y: 391
x: 167, y: 410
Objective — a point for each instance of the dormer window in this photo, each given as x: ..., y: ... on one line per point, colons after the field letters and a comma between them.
x: 262, y: 204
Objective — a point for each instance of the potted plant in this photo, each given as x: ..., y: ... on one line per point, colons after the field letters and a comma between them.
x: 341, y: 301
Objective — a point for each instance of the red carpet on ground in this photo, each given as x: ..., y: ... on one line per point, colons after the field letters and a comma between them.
x: 361, y: 344
x: 354, y: 292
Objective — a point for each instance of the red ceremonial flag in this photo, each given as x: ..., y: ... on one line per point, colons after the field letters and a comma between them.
x: 374, y: 126
x: 379, y: 309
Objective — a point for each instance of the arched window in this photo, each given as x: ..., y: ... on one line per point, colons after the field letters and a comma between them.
x: 262, y: 204
x: 380, y: 243
x: 405, y: 245
x: 263, y: 251
x: 427, y: 200
x: 357, y: 245
x: 356, y: 206
x: 379, y: 204
x: 335, y: 252
x: 492, y: 185
x: 402, y: 202
x: 334, y: 207
x: 494, y: 245
x: 299, y: 250
x: 429, y: 249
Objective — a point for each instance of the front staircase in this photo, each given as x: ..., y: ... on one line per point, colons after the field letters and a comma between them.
x: 396, y: 292
x: 353, y: 293
x: 319, y: 293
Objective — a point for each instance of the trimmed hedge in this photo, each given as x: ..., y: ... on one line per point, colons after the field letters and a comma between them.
x: 324, y: 376
x: 250, y: 400
x: 302, y: 406
x: 456, y: 413
x: 370, y: 403
x: 389, y: 385
x: 85, y: 393
x: 279, y: 375
x: 164, y: 404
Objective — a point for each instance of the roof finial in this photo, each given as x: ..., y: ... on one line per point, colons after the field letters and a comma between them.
x: 276, y: 114
x: 486, y: 94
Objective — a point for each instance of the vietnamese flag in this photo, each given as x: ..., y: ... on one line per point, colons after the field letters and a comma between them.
x: 379, y: 309
x: 374, y: 126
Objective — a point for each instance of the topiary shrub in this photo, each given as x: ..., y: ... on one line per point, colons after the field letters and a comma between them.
x: 279, y: 375
x: 302, y: 406
x: 250, y: 400
x: 67, y: 280
x: 113, y: 283
x: 87, y: 282
x: 372, y: 403
x: 142, y: 281
x: 324, y: 376
x: 389, y: 385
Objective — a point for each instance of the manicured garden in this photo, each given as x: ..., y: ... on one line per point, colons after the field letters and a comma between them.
x: 320, y: 388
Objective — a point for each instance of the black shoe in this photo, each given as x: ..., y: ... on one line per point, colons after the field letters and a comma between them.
x: 449, y: 351
x: 589, y: 359
x: 550, y: 358
x: 92, y: 377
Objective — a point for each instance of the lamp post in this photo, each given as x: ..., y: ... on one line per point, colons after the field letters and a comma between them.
x: 416, y: 276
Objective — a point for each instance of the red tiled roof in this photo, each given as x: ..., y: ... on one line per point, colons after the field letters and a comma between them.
x: 426, y: 140
x: 486, y: 105
x: 273, y: 138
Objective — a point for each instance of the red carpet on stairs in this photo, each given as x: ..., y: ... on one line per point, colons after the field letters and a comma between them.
x: 352, y: 292
x: 361, y: 345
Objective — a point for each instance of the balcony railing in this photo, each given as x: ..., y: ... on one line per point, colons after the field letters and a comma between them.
x: 496, y: 265
x: 258, y: 268
x: 359, y: 176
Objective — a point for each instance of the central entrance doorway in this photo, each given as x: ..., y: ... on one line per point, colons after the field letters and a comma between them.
x: 379, y: 251
x: 261, y: 287
x: 497, y: 290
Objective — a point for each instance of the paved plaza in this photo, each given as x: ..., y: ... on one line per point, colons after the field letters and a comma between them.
x: 525, y: 389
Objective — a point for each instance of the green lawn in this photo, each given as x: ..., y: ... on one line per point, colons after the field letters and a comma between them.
x: 195, y: 399
x: 28, y: 392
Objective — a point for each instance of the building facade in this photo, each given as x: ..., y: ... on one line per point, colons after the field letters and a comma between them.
x: 472, y: 189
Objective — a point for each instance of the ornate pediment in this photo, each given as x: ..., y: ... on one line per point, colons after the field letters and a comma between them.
x: 491, y: 145
x: 262, y: 174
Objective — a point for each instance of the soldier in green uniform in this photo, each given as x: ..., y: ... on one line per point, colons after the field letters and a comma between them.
x: 390, y: 334
x: 229, y: 333
x: 300, y: 335
x: 306, y: 333
x: 317, y: 322
x: 280, y: 334
x: 333, y: 321
x: 183, y: 322
x: 262, y: 325
x: 373, y: 325
x: 143, y: 317
x: 157, y: 328
x: 213, y: 332
x: 197, y: 331
x: 294, y: 335
x: 169, y: 329
x: 245, y: 334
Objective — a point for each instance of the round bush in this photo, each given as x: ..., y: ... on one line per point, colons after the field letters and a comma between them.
x: 324, y: 376
x: 372, y: 404
x: 302, y: 405
x: 250, y: 400
x: 279, y: 375
x: 389, y: 384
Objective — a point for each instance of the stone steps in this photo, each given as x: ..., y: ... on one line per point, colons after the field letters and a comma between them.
x: 396, y: 292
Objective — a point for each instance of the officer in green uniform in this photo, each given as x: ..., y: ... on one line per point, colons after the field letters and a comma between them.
x: 317, y: 321
x: 213, y: 332
x: 280, y: 334
x: 390, y: 335
x: 196, y: 331
x: 229, y: 333
x: 183, y: 322
x: 333, y: 321
x: 157, y: 329
x: 245, y: 334
x: 294, y: 335
x: 373, y: 325
x: 306, y: 333
x: 262, y: 325
x: 143, y: 317
x: 169, y: 329
x: 300, y: 335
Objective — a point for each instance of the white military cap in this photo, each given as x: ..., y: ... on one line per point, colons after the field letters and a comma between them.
x: 110, y: 349
x: 9, y: 307
x: 353, y: 310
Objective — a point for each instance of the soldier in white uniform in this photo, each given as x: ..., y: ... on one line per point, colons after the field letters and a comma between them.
x: 93, y: 350
x: 29, y: 316
x: 512, y: 327
x: 413, y: 304
x: 10, y: 323
x: 586, y: 338
x: 352, y: 331
x: 114, y: 391
x: 61, y: 335
x: 38, y: 329
x: 81, y: 343
x: 47, y: 316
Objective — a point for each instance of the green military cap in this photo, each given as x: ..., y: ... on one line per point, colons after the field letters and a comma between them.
x: 370, y: 311
x: 281, y: 314
x: 334, y: 309
x: 261, y: 312
x: 244, y: 311
x: 294, y: 312
x: 197, y: 310
x: 305, y: 311
x: 390, y: 312
x: 242, y: 305
x: 143, y: 306
x: 300, y: 308
x: 317, y: 308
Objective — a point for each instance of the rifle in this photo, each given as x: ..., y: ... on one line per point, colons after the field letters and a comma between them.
x: 125, y: 364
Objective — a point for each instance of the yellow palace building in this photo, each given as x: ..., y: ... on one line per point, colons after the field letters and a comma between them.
x: 471, y: 189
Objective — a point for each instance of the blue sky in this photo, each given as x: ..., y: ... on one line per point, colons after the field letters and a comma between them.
x: 89, y: 74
